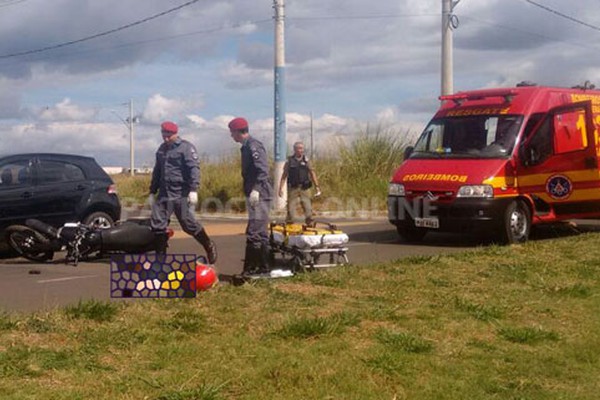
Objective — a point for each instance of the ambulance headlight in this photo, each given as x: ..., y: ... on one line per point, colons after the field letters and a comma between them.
x: 485, y: 191
x: 396, y: 189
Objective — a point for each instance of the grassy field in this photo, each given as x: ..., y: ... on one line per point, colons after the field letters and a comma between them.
x: 518, y: 322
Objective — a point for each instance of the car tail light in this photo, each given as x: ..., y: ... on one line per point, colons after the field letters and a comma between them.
x: 112, y: 189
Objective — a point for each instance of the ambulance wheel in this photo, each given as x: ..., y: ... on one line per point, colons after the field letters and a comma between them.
x: 517, y: 223
x: 411, y: 234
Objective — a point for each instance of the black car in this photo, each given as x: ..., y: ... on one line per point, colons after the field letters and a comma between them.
x: 55, y: 188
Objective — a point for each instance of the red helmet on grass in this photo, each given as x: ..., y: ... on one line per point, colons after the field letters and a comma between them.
x: 206, y: 277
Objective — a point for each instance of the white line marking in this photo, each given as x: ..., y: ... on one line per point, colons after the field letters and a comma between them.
x: 69, y: 278
x: 355, y: 244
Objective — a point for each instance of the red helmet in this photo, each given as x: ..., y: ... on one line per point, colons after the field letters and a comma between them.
x: 206, y: 277
x: 238, y: 124
x: 169, y: 128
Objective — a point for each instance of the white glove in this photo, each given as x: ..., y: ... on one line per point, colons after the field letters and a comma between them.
x: 318, y: 192
x: 254, y: 198
x: 151, y: 199
x: 193, y: 199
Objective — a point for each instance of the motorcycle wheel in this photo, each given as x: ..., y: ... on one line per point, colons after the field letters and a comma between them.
x: 26, y: 241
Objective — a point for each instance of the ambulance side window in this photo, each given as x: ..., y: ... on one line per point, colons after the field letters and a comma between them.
x: 534, y: 119
x: 570, y: 133
x: 540, y: 147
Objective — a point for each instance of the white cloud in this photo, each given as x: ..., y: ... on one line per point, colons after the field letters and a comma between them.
x: 350, y: 62
x: 66, y: 111
x: 159, y: 108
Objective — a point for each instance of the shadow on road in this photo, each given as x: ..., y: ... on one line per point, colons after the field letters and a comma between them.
x: 458, y: 240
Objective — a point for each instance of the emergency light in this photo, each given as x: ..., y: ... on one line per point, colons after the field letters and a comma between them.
x: 460, y: 98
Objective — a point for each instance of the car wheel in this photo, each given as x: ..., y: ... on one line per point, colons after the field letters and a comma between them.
x: 517, y: 223
x: 99, y: 219
x: 28, y: 243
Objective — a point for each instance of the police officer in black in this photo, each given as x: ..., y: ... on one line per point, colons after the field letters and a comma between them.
x: 175, y: 178
x: 300, y: 178
x: 258, y: 192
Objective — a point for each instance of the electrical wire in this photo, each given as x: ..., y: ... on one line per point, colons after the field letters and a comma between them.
x: 9, y: 3
x: 351, y: 17
x: 142, y: 42
x: 72, y: 42
x: 546, y: 8
x: 513, y: 29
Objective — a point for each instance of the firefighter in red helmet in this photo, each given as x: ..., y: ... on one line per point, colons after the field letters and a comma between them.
x: 259, y: 193
x: 174, y: 189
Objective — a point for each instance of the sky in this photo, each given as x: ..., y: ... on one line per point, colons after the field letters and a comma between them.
x: 70, y: 68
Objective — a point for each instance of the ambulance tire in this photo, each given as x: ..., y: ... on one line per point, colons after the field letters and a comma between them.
x: 516, y: 224
x: 411, y: 234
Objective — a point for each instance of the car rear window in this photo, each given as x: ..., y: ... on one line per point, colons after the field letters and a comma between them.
x: 56, y: 171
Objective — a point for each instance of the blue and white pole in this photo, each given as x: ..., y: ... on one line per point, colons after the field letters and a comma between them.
x: 280, y: 147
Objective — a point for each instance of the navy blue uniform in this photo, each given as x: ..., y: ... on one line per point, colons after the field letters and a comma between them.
x: 176, y: 174
x: 255, y: 174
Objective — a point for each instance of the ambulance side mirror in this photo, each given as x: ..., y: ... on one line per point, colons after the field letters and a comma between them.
x: 407, y: 152
x: 534, y: 156
x: 529, y: 155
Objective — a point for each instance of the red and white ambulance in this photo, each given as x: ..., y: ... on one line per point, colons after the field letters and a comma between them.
x: 498, y: 161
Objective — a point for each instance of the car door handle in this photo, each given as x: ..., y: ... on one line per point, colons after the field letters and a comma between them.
x: 26, y: 195
x: 79, y: 187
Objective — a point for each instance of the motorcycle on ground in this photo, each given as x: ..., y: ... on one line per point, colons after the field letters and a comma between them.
x: 38, y: 241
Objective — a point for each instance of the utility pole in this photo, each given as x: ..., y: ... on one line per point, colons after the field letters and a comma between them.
x: 279, y: 147
x: 131, y: 146
x: 449, y: 22
x: 312, y: 153
x: 128, y: 122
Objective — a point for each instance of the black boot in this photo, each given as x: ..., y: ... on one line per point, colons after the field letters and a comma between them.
x: 264, y: 259
x: 209, y: 246
x: 251, y: 259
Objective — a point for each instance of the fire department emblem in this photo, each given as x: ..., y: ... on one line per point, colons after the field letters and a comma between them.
x: 559, y: 187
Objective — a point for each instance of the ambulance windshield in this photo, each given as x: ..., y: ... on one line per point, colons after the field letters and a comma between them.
x: 479, y: 136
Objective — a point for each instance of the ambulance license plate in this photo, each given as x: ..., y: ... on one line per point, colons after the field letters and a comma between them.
x: 433, y: 223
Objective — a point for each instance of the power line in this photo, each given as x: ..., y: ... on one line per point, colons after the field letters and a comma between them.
x: 146, y: 41
x: 546, y: 8
x: 351, y: 17
x: 53, y: 47
x: 513, y: 29
x: 8, y: 3
x: 69, y: 43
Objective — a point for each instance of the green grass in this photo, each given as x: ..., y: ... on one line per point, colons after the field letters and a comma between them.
x: 514, y: 322
x: 527, y: 335
x: 92, y: 310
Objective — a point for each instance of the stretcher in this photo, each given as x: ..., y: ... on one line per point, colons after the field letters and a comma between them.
x: 303, y: 247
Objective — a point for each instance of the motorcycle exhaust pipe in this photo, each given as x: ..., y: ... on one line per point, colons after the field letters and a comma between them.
x: 42, y: 227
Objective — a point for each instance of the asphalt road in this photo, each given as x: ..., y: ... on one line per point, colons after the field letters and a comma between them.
x: 26, y: 286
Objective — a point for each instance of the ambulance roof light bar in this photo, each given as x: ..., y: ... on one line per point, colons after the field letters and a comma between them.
x: 459, y: 98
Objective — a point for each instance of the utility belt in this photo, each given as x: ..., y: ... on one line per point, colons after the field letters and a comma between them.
x: 303, y: 186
